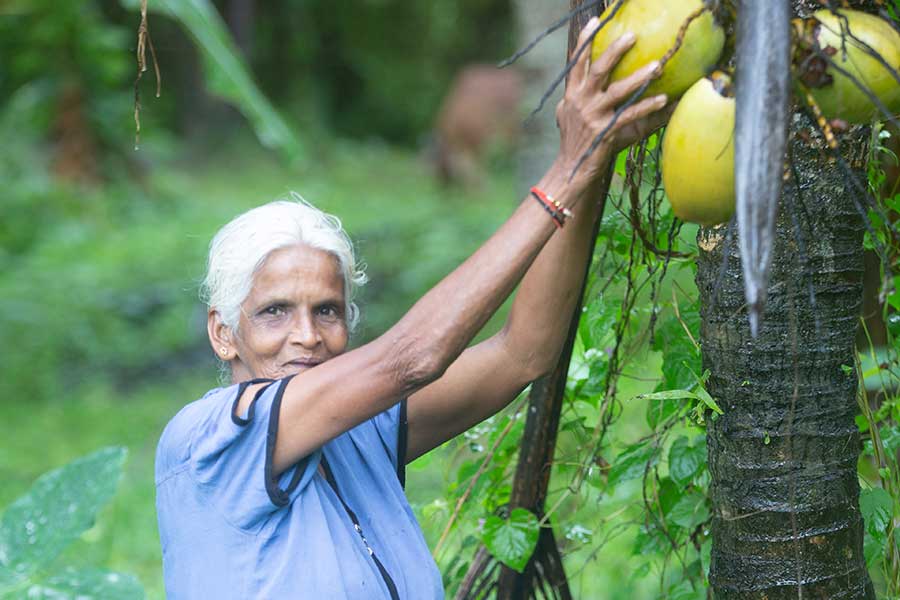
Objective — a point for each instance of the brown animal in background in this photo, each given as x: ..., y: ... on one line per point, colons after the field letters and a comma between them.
x: 480, y: 108
x: 75, y: 153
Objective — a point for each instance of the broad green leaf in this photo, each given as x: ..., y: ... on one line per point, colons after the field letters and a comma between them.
x: 621, y: 163
x: 598, y: 368
x: 680, y: 355
x: 58, y: 508
x: 682, y: 590
x: 512, y: 540
x: 877, y: 508
x: 873, y: 547
x: 632, y: 462
x: 690, y: 511
x: 680, y: 359
x: 706, y: 557
x: 890, y: 439
x: 640, y: 572
x: 686, y: 460
x: 668, y: 494
x: 601, y: 319
x: 226, y: 74
x: 87, y: 584
x: 647, y: 543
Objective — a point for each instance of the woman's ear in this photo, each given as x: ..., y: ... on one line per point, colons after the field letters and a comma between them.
x: 220, y: 336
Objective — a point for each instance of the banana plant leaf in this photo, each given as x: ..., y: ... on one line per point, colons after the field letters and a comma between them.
x: 761, y: 126
x: 226, y: 75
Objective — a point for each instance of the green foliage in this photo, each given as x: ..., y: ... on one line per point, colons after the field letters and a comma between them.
x: 94, y: 296
x: 113, y: 294
x: 66, y: 73
x: 37, y: 527
x: 52, y: 42
x: 86, y: 584
x: 681, y: 355
x: 633, y: 462
x: 690, y: 511
x: 226, y: 75
x: 512, y: 540
x: 686, y: 460
x: 703, y: 401
x: 630, y: 480
x: 877, y: 371
x: 877, y: 509
x: 381, y: 67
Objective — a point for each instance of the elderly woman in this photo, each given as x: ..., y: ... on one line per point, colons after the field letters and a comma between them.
x: 289, y: 483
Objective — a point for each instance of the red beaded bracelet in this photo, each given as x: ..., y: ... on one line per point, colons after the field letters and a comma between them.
x: 557, y: 211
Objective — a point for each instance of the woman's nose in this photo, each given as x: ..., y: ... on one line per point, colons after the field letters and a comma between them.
x: 304, y: 331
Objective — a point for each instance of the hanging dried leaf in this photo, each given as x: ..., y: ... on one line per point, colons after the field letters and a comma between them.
x: 763, y: 112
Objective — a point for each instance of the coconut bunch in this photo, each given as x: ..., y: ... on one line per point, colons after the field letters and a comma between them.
x: 847, y: 60
x: 723, y: 150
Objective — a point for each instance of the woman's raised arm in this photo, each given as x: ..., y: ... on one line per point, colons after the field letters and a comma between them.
x: 417, y: 353
x: 488, y: 376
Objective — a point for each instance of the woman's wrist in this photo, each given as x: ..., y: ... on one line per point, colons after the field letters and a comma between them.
x: 556, y: 183
x: 566, y: 188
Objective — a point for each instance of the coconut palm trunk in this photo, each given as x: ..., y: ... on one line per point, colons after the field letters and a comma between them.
x: 783, y: 456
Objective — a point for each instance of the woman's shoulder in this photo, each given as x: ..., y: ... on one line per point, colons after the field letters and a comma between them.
x: 209, y: 405
x: 175, y: 442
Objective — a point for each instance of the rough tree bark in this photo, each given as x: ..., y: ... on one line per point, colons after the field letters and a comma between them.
x: 783, y: 457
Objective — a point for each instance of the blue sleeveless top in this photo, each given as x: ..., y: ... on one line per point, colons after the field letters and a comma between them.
x: 230, y: 529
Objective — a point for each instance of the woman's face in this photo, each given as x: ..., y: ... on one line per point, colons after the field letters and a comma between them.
x: 293, y: 318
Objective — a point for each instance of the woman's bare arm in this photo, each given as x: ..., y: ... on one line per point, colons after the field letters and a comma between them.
x: 486, y: 377
x: 337, y: 395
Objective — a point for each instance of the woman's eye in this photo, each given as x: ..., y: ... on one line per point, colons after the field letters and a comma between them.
x: 329, y: 311
x: 274, y: 311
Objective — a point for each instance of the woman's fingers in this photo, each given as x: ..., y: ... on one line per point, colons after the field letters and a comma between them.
x: 591, y: 101
x: 647, y: 109
x: 619, y: 91
x: 654, y: 121
x: 580, y: 70
x: 606, y: 62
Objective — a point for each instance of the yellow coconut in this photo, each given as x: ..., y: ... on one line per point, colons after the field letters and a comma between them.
x: 841, y: 98
x: 698, y: 153
x: 656, y: 24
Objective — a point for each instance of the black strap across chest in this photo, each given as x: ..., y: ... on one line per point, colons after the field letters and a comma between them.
x: 329, y: 477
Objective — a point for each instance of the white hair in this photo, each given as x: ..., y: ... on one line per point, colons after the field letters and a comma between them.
x: 240, y: 248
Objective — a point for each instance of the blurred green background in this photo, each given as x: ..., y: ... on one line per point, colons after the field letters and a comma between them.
x: 102, y: 244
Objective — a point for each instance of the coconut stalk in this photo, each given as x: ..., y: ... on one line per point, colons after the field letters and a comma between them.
x: 763, y: 55
x: 784, y: 488
x: 544, y: 575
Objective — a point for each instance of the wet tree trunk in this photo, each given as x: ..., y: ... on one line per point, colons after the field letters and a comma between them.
x: 783, y: 457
